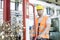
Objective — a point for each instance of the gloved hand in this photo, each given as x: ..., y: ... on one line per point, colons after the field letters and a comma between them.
x: 40, y: 35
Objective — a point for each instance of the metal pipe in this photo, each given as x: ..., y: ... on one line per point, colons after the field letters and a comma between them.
x: 34, y: 21
x: 6, y: 11
x: 24, y: 19
x: 34, y: 17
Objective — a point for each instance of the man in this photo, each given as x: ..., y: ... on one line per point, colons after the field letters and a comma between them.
x: 43, y: 24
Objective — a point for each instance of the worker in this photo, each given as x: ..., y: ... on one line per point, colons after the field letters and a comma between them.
x: 43, y: 24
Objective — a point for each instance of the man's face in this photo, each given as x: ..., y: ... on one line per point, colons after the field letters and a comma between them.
x: 40, y: 12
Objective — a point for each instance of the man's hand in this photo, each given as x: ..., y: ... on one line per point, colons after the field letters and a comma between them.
x: 40, y: 35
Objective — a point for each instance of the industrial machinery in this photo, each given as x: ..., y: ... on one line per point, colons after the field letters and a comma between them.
x: 54, y: 31
x: 21, y: 21
x: 11, y: 32
x: 6, y: 33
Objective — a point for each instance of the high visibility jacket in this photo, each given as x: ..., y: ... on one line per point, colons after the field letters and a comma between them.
x: 42, y: 27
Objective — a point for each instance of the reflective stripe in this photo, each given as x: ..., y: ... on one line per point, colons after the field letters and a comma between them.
x: 41, y: 28
x: 40, y: 32
x: 33, y: 32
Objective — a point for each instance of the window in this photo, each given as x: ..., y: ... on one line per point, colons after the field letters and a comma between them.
x: 58, y: 12
x: 50, y: 11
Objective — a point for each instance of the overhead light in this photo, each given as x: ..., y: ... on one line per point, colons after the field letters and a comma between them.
x: 56, y: 0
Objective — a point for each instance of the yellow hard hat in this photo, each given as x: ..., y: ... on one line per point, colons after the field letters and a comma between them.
x: 39, y: 7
